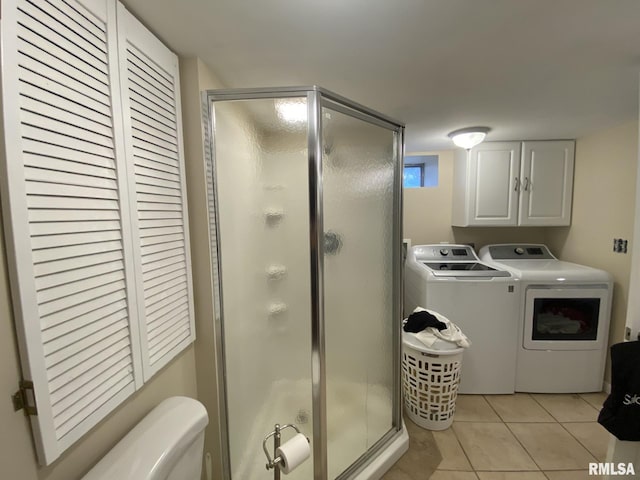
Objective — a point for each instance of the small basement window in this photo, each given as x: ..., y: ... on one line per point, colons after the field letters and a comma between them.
x: 420, y: 171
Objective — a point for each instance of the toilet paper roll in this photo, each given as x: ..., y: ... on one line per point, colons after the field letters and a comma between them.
x: 293, y: 452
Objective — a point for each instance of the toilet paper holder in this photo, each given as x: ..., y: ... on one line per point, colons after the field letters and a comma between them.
x: 276, y: 434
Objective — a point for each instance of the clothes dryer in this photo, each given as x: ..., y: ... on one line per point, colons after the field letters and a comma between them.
x: 480, y: 299
x: 564, y: 317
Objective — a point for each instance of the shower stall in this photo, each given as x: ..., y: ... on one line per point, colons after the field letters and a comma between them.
x: 305, y: 222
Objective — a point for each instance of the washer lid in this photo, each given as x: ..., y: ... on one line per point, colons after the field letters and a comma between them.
x: 464, y: 269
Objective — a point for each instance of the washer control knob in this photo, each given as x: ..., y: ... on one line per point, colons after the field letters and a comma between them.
x: 519, y: 251
x: 444, y: 252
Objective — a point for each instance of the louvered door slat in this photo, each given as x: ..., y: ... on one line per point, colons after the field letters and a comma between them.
x: 71, y: 301
x: 164, y: 287
x: 72, y: 326
x: 60, y: 139
x: 157, y: 98
x: 97, y: 124
x: 90, y: 308
x: 70, y: 228
x: 50, y: 294
x: 95, y: 136
x: 47, y: 14
x: 150, y: 81
x: 104, y: 266
x: 162, y: 345
x: 45, y: 174
x: 37, y: 216
x: 156, y: 163
x: 150, y: 125
x: 153, y: 259
x: 40, y: 147
x: 90, y: 86
x: 30, y: 52
x: 64, y: 355
x: 80, y: 22
x: 177, y: 311
x: 56, y: 228
x: 162, y: 245
x: 167, y: 313
x: 93, y: 385
x: 35, y: 79
x: 81, y: 411
x: 46, y: 97
x: 50, y: 261
x: 33, y: 28
x: 157, y: 182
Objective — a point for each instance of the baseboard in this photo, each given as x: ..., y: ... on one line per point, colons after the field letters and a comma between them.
x: 607, y: 387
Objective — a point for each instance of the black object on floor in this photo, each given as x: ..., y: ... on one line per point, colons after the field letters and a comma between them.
x: 620, y: 414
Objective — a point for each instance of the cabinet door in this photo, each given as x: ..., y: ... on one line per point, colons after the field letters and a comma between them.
x: 66, y: 214
x: 494, y: 180
x: 150, y: 88
x: 547, y: 183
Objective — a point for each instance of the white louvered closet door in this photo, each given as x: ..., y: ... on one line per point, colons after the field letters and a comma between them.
x: 154, y: 154
x: 66, y: 214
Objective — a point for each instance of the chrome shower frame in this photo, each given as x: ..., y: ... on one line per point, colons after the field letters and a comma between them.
x: 316, y: 98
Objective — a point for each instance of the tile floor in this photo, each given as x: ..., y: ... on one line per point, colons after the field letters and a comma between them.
x: 522, y: 437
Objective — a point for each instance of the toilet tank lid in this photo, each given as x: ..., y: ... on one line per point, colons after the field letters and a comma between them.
x: 152, y: 447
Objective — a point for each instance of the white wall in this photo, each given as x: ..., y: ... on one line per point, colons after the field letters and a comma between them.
x: 603, y: 209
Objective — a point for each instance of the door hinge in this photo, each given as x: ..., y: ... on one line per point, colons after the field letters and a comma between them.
x: 25, y: 398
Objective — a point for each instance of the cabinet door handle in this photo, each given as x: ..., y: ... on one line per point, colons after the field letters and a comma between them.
x: 526, y: 183
x: 516, y: 182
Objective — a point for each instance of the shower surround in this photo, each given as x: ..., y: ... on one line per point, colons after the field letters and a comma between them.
x: 305, y: 212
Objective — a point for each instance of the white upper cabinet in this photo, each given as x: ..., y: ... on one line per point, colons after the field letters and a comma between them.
x: 514, y: 183
x: 94, y: 209
x: 547, y: 183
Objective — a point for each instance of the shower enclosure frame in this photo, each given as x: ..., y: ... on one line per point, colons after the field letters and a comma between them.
x: 316, y: 98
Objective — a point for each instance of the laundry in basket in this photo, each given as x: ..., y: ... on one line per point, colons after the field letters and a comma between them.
x: 437, y: 327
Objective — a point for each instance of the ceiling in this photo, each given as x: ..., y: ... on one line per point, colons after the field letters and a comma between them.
x: 528, y: 69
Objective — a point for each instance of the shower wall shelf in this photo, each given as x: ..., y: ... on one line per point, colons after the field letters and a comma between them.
x: 277, y: 309
x: 276, y: 272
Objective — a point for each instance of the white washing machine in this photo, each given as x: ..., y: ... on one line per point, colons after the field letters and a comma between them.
x: 481, y: 300
x: 565, y: 310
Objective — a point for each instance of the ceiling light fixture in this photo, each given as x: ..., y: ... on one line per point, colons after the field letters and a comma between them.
x: 469, y: 137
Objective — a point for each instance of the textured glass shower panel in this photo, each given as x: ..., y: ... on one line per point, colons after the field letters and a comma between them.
x: 261, y: 168
x: 358, y: 180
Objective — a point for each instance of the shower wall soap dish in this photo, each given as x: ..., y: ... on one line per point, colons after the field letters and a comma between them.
x: 276, y: 272
x: 277, y: 308
x: 273, y: 215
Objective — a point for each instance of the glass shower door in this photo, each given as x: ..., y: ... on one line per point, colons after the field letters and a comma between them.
x: 261, y: 176
x: 358, y: 168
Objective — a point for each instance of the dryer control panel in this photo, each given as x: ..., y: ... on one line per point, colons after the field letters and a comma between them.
x: 520, y: 251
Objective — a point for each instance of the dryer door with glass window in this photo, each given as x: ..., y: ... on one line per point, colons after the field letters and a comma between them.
x: 568, y: 318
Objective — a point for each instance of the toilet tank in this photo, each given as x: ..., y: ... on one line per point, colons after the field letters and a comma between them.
x: 167, y: 444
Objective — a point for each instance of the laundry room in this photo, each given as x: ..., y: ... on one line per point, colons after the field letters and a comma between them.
x: 602, y: 210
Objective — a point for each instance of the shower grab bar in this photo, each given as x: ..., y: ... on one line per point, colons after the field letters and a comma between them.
x: 275, y: 463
